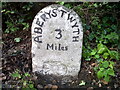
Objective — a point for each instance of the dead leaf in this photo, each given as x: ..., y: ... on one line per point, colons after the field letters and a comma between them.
x: 103, y: 81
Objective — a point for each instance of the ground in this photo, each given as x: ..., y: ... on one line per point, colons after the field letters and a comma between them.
x: 18, y: 56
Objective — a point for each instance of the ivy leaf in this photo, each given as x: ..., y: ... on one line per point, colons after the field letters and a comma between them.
x: 91, y: 36
x: 101, y: 48
x: 93, y: 52
x: 111, y: 72
x: 17, y: 39
x: 105, y: 64
x: 27, y: 74
x: 95, y: 5
x: 31, y: 85
x: 112, y: 36
x: 16, y: 75
x: 105, y: 55
x: 97, y: 56
x: 107, y: 78
x: 114, y: 27
x: 100, y: 74
x: 114, y: 55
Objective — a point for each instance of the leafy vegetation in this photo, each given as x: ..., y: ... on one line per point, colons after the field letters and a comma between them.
x: 22, y: 80
x: 15, y: 19
x: 100, y: 31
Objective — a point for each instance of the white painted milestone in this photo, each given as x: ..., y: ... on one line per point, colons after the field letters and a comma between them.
x: 57, y: 36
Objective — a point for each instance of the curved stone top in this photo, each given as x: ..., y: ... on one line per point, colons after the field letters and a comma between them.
x: 57, y: 35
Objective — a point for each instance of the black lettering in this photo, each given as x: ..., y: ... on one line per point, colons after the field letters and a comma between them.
x: 38, y: 30
x: 63, y: 12
x: 66, y: 48
x: 55, y: 47
x: 37, y: 39
x: 49, y: 46
x: 75, y: 38
x: 59, y: 47
x: 62, y: 48
x: 48, y: 13
x: 78, y: 32
x: 54, y: 14
x: 75, y: 25
x: 39, y: 23
x: 43, y: 16
x: 70, y: 18
x: 59, y: 35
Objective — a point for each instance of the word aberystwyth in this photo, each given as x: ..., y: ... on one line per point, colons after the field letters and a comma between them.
x: 56, y: 41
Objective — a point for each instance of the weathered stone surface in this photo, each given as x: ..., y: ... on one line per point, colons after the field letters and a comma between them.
x: 56, y: 41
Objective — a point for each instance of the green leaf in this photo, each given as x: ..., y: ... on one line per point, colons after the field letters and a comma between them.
x: 107, y: 78
x: 17, y: 39
x: 105, y: 55
x: 3, y: 11
x: 99, y: 59
x: 112, y: 36
x: 100, y: 74
x: 24, y: 83
x: 68, y: 5
x: 97, y: 56
x: 16, y: 75
x: 27, y: 74
x: 101, y: 48
x: 102, y: 69
x: 31, y: 85
x: 96, y: 69
x: 88, y: 59
x: 93, y: 52
x: 62, y: 3
x: 111, y: 64
x: 114, y: 55
x: 105, y: 19
x: 91, y: 36
x: 95, y: 5
x: 110, y: 72
x: 12, y: 12
x: 82, y: 83
x: 114, y: 27
x: 105, y: 64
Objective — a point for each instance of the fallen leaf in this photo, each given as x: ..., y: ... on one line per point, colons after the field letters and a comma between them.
x: 103, y: 81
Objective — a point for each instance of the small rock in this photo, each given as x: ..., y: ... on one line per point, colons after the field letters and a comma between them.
x: 108, y: 88
x: 34, y: 78
x: 90, y: 88
x: 115, y: 85
x: 54, y: 87
x: 26, y: 65
x: 48, y: 86
x: 3, y: 78
x: 8, y: 68
x: 39, y: 86
x: 100, y: 85
x: 89, y: 72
